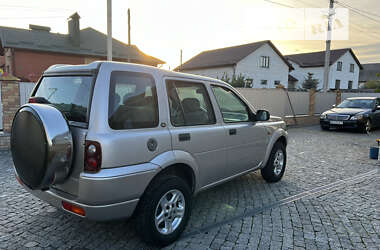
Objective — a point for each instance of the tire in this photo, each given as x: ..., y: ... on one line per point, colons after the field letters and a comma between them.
x: 149, y: 207
x: 41, y: 145
x: 325, y: 128
x: 367, y: 126
x: 270, y: 172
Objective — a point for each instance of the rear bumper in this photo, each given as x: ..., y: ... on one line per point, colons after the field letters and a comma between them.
x: 107, y: 195
x: 346, y: 124
x: 97, y: 212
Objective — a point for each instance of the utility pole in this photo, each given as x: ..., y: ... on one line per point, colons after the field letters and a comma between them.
x: 129, y: 26
x: 180, y: 61
x: 109, y: 30
x: 328, y: 46
x: 129, y: 33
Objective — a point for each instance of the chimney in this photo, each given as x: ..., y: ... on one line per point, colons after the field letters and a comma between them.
x: 74, y: 31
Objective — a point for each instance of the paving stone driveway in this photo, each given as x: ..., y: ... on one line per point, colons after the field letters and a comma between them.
x: 329, y: 198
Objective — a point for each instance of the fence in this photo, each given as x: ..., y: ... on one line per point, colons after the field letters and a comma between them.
x: 278, y: 101
x: 25, y: 91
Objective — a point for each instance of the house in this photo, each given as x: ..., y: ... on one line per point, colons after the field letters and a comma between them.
x: 260, y: 63
x: 370, y: 72
x: 344, y: 68
x: 26, y: 53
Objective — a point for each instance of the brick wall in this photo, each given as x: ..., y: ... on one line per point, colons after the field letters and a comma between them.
x: 10, y: 97
x: 29, y: 65
x: 5, y: 141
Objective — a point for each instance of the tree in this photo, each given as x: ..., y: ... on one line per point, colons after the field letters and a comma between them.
x: 310, y: 82
x: 236, y: 81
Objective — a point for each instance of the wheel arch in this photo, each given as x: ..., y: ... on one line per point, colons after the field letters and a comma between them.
x: 279, y: 135
x: 180, y: 163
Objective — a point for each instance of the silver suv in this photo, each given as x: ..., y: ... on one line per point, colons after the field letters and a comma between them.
x: 110, y: 140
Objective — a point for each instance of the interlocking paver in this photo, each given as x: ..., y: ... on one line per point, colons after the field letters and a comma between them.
x: 230, y: 216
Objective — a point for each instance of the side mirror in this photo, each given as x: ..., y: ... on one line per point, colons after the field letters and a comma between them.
x: 262, y: 115
x: 334, y: 105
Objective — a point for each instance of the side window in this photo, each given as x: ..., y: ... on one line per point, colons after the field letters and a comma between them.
x: 377, y: 102
x: 232, y: 108
x: 189, y: 104
x: 132, y: 101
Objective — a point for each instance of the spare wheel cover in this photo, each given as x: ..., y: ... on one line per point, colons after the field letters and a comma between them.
x: 41, y: 145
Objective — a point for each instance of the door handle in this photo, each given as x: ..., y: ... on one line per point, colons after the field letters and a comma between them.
x: 232, y: 131
x: 184, y: 137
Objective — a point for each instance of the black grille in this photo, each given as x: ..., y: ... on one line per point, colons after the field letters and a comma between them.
x: 338, y: 117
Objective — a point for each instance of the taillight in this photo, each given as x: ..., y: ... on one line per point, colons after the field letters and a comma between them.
x: 92, y: 157
x: 32, y: 100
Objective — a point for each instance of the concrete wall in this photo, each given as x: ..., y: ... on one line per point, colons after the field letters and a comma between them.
x: 344, y: 76
x: 347, y: 95
x: 324, y: 101
x: 273, y: 100
x: 277, y: 102
x: 250, y: 67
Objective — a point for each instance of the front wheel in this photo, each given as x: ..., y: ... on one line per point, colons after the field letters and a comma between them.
x: 275, y: 168
x: 164, y: 210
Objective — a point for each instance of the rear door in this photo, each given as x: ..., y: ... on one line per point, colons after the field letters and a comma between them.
x: 246, y: 140
x: 135, y: 120
x: 194, y: 128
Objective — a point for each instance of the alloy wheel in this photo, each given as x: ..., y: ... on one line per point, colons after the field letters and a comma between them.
x: 170, y: 211
x: 278, y: 162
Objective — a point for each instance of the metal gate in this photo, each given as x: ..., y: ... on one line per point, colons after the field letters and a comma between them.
x: 25, y: 91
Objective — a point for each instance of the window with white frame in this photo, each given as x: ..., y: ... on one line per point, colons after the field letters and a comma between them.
x: 264, y: 62
x: 264, y: 82
x: 350, y: 84
x: 339, y: 66
x: 337, y: 84
x: 352, y: 67
x: 276, y: 83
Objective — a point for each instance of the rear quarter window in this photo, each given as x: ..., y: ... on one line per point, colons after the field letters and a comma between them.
x: 132, y: 101
x: 69, y: 94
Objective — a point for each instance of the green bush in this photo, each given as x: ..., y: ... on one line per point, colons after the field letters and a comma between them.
x: 236, y: 81
x: 372, y: 85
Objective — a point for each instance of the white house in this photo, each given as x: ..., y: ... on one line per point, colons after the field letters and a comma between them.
x: 261, y: 63
x: 344, y: 68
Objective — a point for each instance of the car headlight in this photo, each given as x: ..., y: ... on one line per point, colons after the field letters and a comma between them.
x: 356, y: 117
x: 323, y: 116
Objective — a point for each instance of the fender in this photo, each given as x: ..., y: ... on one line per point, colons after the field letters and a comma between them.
x: 169, y: 158
x: 279, y: 132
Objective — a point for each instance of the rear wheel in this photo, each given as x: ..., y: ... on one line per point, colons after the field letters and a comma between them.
x: 275, y: 168
x: 164, y: 210
x: 368, y: 126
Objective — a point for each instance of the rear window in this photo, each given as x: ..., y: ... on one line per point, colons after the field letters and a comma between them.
x: 69, y: 94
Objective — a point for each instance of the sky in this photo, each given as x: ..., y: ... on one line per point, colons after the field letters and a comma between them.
x: 161, y: 28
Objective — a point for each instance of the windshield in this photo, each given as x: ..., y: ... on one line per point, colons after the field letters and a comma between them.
x: 69, y: 94
x: 357, y: 103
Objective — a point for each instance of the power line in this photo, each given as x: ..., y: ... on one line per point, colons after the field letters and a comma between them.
x: 364, y: 11
x: 280, y: 4
x: 359, y: 12
x: 31, y: 17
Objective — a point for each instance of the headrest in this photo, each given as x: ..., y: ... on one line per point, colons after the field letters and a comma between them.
x: 191, y: 104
